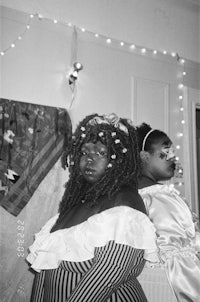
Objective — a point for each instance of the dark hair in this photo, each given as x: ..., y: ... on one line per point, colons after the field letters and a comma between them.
x: 125, y: 167
x: 152, y: 138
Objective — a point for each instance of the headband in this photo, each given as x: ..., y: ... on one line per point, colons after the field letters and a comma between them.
x: 145, y: 138
x: 109, y: 119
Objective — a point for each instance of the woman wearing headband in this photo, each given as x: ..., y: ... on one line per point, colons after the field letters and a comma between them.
x: 178, y: 238
x: 94, y: 249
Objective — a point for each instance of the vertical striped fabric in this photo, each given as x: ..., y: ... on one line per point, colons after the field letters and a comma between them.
x: 111, y: 276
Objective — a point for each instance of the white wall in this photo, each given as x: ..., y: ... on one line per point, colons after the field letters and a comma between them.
x: 173, y: 25
x: 35, y: 70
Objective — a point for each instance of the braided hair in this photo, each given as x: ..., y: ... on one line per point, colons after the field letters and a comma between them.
x: 145, y: 142
x: 123, y: 155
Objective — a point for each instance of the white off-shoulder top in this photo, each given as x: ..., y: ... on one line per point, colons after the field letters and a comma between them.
x: 121, y: 224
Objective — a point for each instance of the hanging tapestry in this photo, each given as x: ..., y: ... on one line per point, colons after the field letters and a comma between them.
x: 32, y: 138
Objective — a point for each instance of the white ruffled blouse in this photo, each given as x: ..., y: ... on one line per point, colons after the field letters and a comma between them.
x: 121, y: 224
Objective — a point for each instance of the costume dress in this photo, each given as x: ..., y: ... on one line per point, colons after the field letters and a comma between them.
x: 97, y: 260
x: 177, y: 240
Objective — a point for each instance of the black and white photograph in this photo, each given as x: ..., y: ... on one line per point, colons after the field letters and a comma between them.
x: 100, y: 150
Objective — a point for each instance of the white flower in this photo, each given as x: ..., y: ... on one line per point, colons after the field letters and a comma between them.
x: 113, y: 156
x: 100, y: 134
x: 30, y: 130
x: 117, y: 141
x: 8, y: 136
x: 124, y: 150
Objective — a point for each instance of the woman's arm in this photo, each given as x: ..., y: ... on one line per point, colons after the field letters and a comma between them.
x: 111, y: 265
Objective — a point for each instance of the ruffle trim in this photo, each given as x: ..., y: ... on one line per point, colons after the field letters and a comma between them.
x: 159, y: 188
x: 121, y: 224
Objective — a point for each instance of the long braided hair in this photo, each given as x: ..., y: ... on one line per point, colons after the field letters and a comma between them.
x: 123, y: 155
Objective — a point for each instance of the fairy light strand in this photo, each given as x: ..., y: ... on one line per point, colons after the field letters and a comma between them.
x: 180, y: 133
x: 19, y: 37
x: 132, y: 47
x: 108, y: 40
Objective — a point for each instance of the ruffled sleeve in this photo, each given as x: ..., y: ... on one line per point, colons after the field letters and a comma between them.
x: 120, y: 224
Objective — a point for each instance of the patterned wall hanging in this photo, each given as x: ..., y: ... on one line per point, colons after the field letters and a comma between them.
x: 32, y: 138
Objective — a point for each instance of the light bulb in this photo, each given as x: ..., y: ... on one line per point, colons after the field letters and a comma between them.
x: 132, y: 46
x: 155, y: 52
x: 75, y: 73
x: 122, y: 43
x: 108, y: 40
x: 180, y: 86
x: 78, y: 66
x: 143, y: 50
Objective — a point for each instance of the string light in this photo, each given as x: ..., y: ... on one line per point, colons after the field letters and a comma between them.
x: 19, y: 38
x: 143, y: 50
x: 180, y: 134
x: 131, y: 46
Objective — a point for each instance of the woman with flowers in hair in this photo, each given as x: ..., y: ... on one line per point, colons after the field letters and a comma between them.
x: 95, y: 247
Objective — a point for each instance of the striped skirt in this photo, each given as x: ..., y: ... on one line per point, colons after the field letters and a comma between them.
x: 111, y: 276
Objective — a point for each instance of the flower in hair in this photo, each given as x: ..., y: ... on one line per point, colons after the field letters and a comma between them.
x: 82, y: 128
x: 113, y: 156
x: 100, y: 134
x: 109, y: 165
x: 124, y: 150
x: 109, y: 119
x: 83, y: 135
x: 130, y: 122
x: 113, y: 134
x: 117, y: 141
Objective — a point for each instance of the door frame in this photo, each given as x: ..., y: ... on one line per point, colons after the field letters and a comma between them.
x: 191, y: 101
